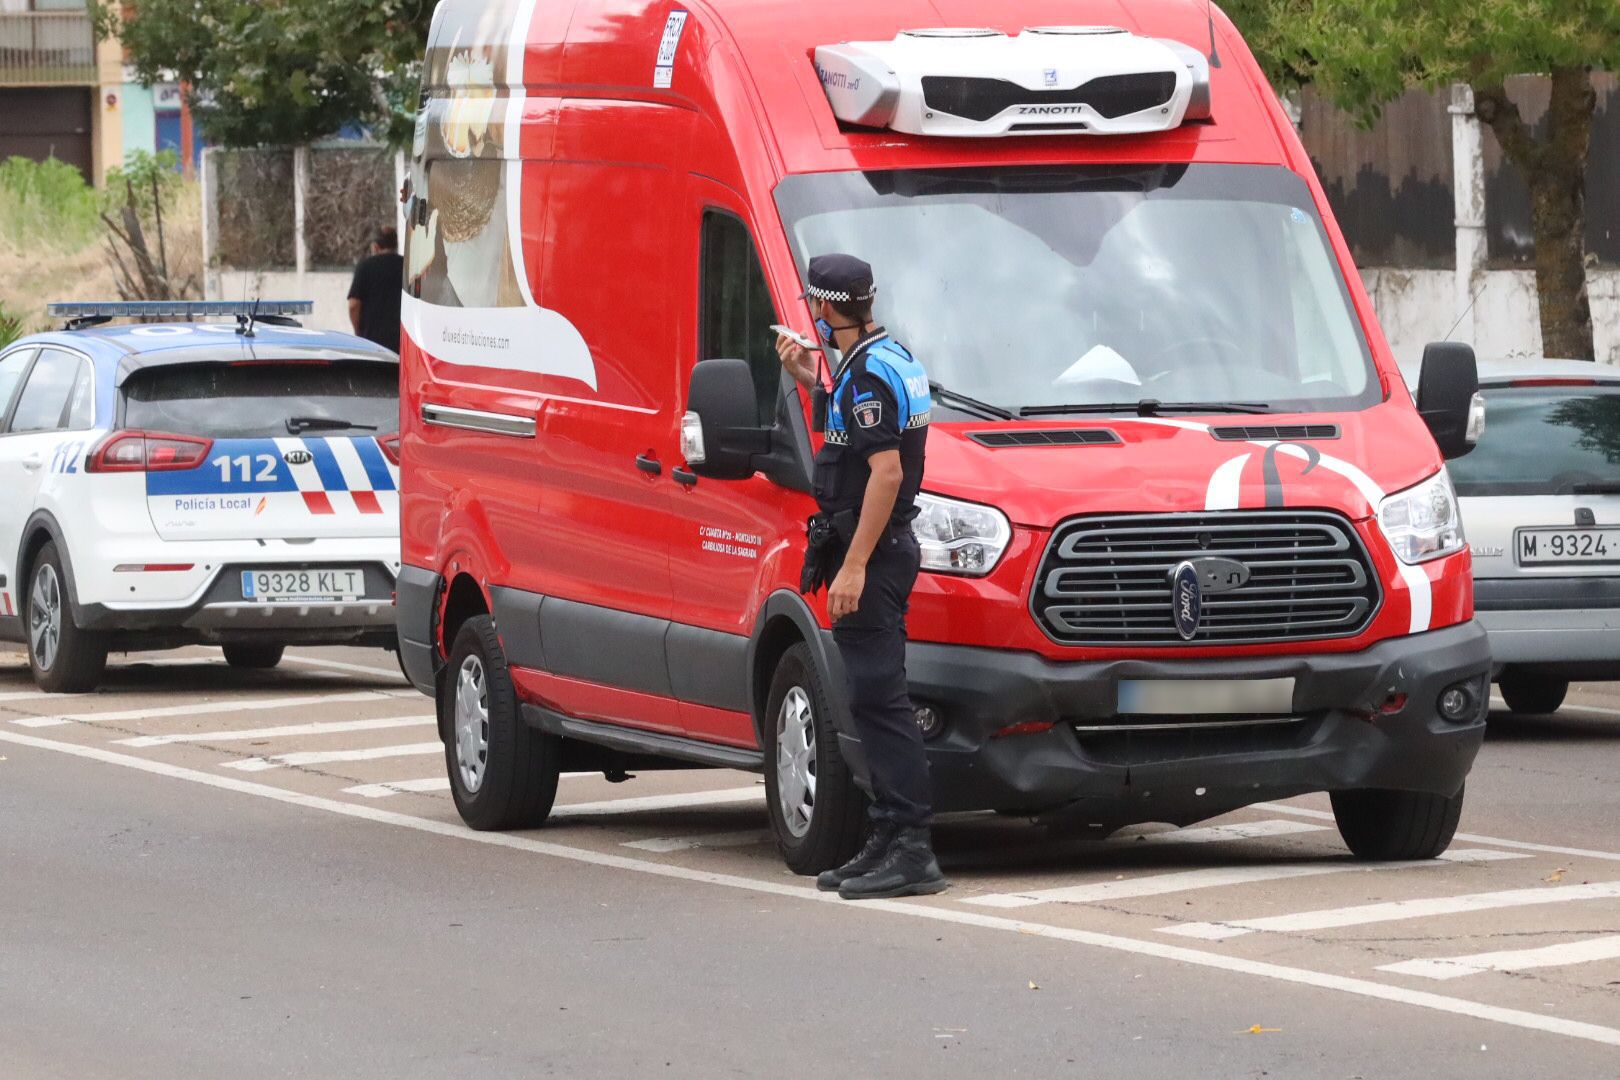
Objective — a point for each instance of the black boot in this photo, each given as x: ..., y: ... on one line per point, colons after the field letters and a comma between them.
x: 865, y: 861
x: 909, y: 869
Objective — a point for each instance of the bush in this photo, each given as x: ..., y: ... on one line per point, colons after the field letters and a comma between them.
x: 11, y: 328
x: 47, y: 203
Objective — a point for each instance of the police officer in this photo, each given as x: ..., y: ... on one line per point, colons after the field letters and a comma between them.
x: 868, y: 474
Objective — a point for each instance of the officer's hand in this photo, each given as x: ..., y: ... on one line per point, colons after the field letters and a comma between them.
x: 796, y: 358
x: 844, y: 598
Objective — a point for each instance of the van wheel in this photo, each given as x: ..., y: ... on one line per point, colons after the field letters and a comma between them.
x: 817, y: 812
x: 253, y: 657
x: 1396, y: 825
x: 64, y: 658
x: 1532, y: 695
x: 503, y: 773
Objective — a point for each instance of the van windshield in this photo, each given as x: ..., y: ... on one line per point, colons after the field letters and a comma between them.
x: 1041, y: 289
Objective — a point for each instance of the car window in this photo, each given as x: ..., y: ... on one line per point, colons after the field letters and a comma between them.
x: 265, y: 400
x: 12, y: 370
x: 737, y: 312
x: 43, y: 405
x: 1575, y: 433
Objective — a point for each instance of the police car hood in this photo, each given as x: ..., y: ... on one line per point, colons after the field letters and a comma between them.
x: 1040, y: 474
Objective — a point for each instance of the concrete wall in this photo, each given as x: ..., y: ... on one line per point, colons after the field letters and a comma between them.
x: 1420, y: 306
x: 330, y: 292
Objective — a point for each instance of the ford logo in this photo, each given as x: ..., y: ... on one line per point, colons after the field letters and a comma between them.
x: 298, y: 457
x: 1187, y: 599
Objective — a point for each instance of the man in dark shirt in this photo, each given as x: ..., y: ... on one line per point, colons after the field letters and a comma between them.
x: 379, y: 282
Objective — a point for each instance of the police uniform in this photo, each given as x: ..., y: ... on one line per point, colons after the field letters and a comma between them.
x: 881, y: 401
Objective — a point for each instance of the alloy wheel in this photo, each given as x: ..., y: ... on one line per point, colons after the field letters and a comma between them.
x: 45, y: 616
x: 472, y: 724
x: 796, y: 761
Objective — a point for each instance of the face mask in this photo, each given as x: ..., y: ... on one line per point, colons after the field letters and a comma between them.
x: 825, y: 329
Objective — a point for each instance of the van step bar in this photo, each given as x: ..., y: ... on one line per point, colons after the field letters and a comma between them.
x: 634, y: 741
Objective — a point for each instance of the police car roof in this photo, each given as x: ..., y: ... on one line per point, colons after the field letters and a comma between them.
x: 138, y: 347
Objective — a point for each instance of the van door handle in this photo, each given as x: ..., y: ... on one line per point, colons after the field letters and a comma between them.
x: 649, y: 465
x: 685, y: 477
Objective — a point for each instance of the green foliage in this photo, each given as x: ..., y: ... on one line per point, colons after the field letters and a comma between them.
x: 46, y: 204
x: 281, y: 72
x: 11, y: 328
x: 1362, y: 54
x: 153, y: 179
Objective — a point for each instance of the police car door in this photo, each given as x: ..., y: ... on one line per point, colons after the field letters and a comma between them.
x: 13, y: 511
x: 55, y: 398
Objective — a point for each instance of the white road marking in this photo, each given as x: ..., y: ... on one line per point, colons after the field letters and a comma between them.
x: 1213, y: 877
x: 1467, y: 838
x: 332, y: 757
x: 333, y: 727
x: 200, y: 709
x: 40, y: 695
x: 1572, y: 952
x: 662, y: 802
x: 400, y: 787
x: 1181, y: 954
x: 1210, y: 834
x: 1394, y: 910
x: 663, y: 845
x: 339, y: 665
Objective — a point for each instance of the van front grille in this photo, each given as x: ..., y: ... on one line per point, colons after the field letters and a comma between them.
x: 1106, y: 581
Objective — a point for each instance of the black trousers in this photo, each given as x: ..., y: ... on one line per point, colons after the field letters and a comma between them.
x: 873, y: 644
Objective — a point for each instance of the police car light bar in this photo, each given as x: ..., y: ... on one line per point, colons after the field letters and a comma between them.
x: 184, y: 310
x: 1053, y: 80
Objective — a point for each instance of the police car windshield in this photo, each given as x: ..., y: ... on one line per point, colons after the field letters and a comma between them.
x: 1080, y: 286
x: 264, y: 399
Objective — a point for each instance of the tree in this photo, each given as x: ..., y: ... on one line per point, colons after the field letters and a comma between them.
x: 281, y: 72
x: 1362, y: 54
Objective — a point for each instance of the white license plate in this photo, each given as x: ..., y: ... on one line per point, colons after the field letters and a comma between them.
x: 1205, y: 697
x: 280, y: 586
x: 1541, y: 546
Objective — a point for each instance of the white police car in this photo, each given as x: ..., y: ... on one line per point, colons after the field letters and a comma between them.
x: 233, y: 484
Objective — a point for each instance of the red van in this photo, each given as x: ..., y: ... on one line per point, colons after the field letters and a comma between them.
x: 1188, y: 542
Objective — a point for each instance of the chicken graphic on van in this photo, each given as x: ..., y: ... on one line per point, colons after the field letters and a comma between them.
x: 469, y: 300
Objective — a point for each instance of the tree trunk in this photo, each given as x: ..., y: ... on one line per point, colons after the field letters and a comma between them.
x: 1555, y: 170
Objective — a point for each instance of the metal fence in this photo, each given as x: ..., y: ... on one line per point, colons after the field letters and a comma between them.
x: 47, y: 48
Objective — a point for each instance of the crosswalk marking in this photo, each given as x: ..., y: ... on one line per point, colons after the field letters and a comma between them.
x: 662, y: 802
x: 331, y: 757
x: 1467, y: 838
x: 1212, y: 877
x: 40, y: 695
x: 400, y: 787
x: 1210, y: 834
x: 663, y: 845
x: 202, y: 709
x: 333, y: 727
x: 338, y: 665
x: 1571, y: 952
x: 1391, y: 911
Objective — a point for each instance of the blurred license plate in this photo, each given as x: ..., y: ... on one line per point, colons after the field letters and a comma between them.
x: 272, y: 586
x: 1204, y: 697
x: 1568, y: 545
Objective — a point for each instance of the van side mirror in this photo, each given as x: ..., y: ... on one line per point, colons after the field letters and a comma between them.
x: 1448, y: 398
x: 720, y: 434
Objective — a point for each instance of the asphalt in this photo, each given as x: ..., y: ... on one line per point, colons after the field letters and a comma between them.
x: 154, y: 923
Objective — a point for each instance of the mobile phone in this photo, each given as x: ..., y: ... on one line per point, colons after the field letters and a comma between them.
x: 797, y: 338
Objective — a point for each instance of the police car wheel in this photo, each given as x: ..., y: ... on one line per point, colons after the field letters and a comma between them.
x: 817, y: 813
x: 1528, y: 694
x: 64, y: 658
x: 503, y: 773
x: 1396, y: 825
x: 253, y: 657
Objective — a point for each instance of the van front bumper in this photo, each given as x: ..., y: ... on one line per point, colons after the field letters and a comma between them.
x: 1348, y: 735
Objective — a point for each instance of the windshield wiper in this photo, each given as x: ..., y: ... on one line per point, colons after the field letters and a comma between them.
x: 967, y: 404
x: 1147, y: 407
x: 297, y: 425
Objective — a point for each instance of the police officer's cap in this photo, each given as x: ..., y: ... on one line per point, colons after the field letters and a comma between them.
x: 843, y: 279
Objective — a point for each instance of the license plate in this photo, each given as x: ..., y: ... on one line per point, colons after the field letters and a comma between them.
x: 1205, y: 697
x: 1541, y: 546
x: 278, y: 586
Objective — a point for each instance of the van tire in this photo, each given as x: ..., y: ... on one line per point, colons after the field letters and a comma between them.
x: 73, y: 659
x: 837, y: 818
x: 1529, y: 694
x: 253, y: 657
x: 516, y: 773
x: 1391, y: 826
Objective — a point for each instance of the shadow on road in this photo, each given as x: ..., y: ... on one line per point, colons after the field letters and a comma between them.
x: 1568, y: 725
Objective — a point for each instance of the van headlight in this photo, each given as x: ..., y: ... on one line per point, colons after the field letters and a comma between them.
x: 960, y: 537
x: 1423, y: 522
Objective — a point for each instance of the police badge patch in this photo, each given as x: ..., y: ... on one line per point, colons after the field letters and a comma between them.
x: 869, y: 414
